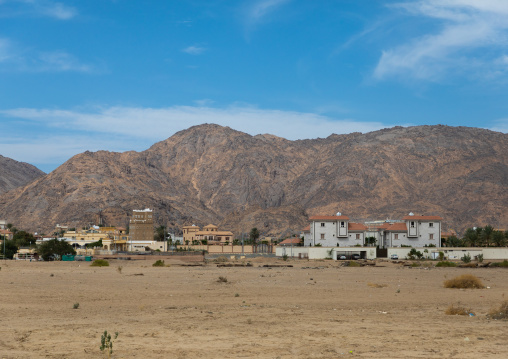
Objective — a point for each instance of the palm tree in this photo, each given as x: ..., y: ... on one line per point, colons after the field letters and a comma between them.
x: 498, y: 238
x: 486, y: 235
x: 471, y: 237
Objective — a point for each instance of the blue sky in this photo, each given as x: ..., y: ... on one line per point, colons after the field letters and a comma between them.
x: 121, y: 75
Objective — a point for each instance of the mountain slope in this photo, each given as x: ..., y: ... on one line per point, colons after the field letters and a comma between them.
x: 210, y: 173
x: 15, y: 174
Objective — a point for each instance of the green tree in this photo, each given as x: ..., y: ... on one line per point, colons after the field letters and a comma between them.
x: 486, y: 235
x: 24, y: 239
x: 55, y: 246
x: 254, y: 235
x: 453, y: 241
x: 499, y: 239
x: 370, y: 241
x: 471, y: 237
x: 10, y: 249
x: 160, y: 234
x: 97, y: 244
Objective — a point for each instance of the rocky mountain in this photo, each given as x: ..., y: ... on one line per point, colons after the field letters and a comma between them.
x: 213, y: 174
x: 14, y: 174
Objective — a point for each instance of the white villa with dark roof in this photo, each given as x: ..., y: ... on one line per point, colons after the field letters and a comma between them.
x: 338, y: 231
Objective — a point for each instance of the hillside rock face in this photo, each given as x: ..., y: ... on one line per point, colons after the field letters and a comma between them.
x: 213, y: 174
x: 14, y: 174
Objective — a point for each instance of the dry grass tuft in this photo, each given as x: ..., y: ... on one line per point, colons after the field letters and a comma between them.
x: 376, y: 285
x: 499, y: 313
x: 464, y: 281
x: 457, y: 310
x: 222, y: 279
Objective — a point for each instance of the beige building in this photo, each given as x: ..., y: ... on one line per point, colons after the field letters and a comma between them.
x: 141, y: 225
x: 209, y: 233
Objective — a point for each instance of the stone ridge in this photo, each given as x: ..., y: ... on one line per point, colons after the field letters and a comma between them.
x: 214, y: 174
x: 14, y: 174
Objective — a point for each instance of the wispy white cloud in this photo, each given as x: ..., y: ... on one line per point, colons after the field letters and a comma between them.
x: 263, y: 7
x: 194, y: 50
x: 466, y: 27
x: 46, y: 8
x: 60, y: 61
x: 501, y: 125
x: 14, y: 58
x: 111, y: 128
x: 5, y: 51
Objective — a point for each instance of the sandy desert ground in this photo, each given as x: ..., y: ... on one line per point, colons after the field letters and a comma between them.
x: 316, y: 309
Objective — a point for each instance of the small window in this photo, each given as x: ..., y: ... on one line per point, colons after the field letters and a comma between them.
x: 322, y: 224
x: 396, y: 236
x: 431, y: 224
x: 357, y: 235
x: 412, y: 224
x: 322, y: 236
x: 431, y: 236
x: 342, y: 224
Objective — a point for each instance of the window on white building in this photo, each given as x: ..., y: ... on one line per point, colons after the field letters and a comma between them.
x: 322, y: 236
x: 342, y: 224
x: 431, y: 236
x: 396, y: 236
x: 357, y: 235
x: 322, y: 224
x: 431, y: 224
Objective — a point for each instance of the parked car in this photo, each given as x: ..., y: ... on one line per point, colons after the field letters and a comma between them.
x: 394, y: 256
x: 356, y: 256
x: 342, y: 257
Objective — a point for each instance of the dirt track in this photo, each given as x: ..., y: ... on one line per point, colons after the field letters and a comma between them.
x: 323, y: 311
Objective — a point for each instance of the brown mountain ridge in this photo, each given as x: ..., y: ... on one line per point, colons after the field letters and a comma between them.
x: 214, y: 174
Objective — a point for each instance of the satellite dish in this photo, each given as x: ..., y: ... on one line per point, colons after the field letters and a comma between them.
x: 411, y: 214
x: 339, y: 214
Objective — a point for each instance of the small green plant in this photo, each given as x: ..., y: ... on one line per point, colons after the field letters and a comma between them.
x: 75, y: 306
x: 503, y: 264
x: 285, y: 257
x: 441, y: 256
x: 237, y: 295
x: 318, y: 245
x: 107, y: 343
x: 100, y: 263
x: 446, y: 264
x: 479, y: 257
x: 466, y: 258
x: 414, y: 254
x: 222, y: 279
x: 119, y: 269
x: 416, y: 264
x: 354, y: 264
x: 159, y: 263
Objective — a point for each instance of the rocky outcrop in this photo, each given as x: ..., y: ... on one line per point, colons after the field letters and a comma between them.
x: 213, y: 174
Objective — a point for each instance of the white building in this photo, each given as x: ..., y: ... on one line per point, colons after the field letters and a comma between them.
x: 335, y: 231
x: 415, y: 231
x: 339, y: 231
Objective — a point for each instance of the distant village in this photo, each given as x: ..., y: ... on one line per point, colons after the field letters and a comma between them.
x: 333, y: 237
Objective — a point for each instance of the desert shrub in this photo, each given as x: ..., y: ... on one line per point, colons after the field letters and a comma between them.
x: 222, y: 279
x: 416, y: 264
x: 75, y: 306
x: 119, y: 269
x: 499, y: 313
x: 503, y: 264
x: 466, y: 258
x: 318, y: 245
x: 446, y: 264
x: 464, y: 281
x: 221, y: 259
x: 159, y: 263
x: 457, y: 310
x: 479, y: 257
x: 354, y: 264
x: 285, y: 257
x: 100, y: 263
x: 441, y: 256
